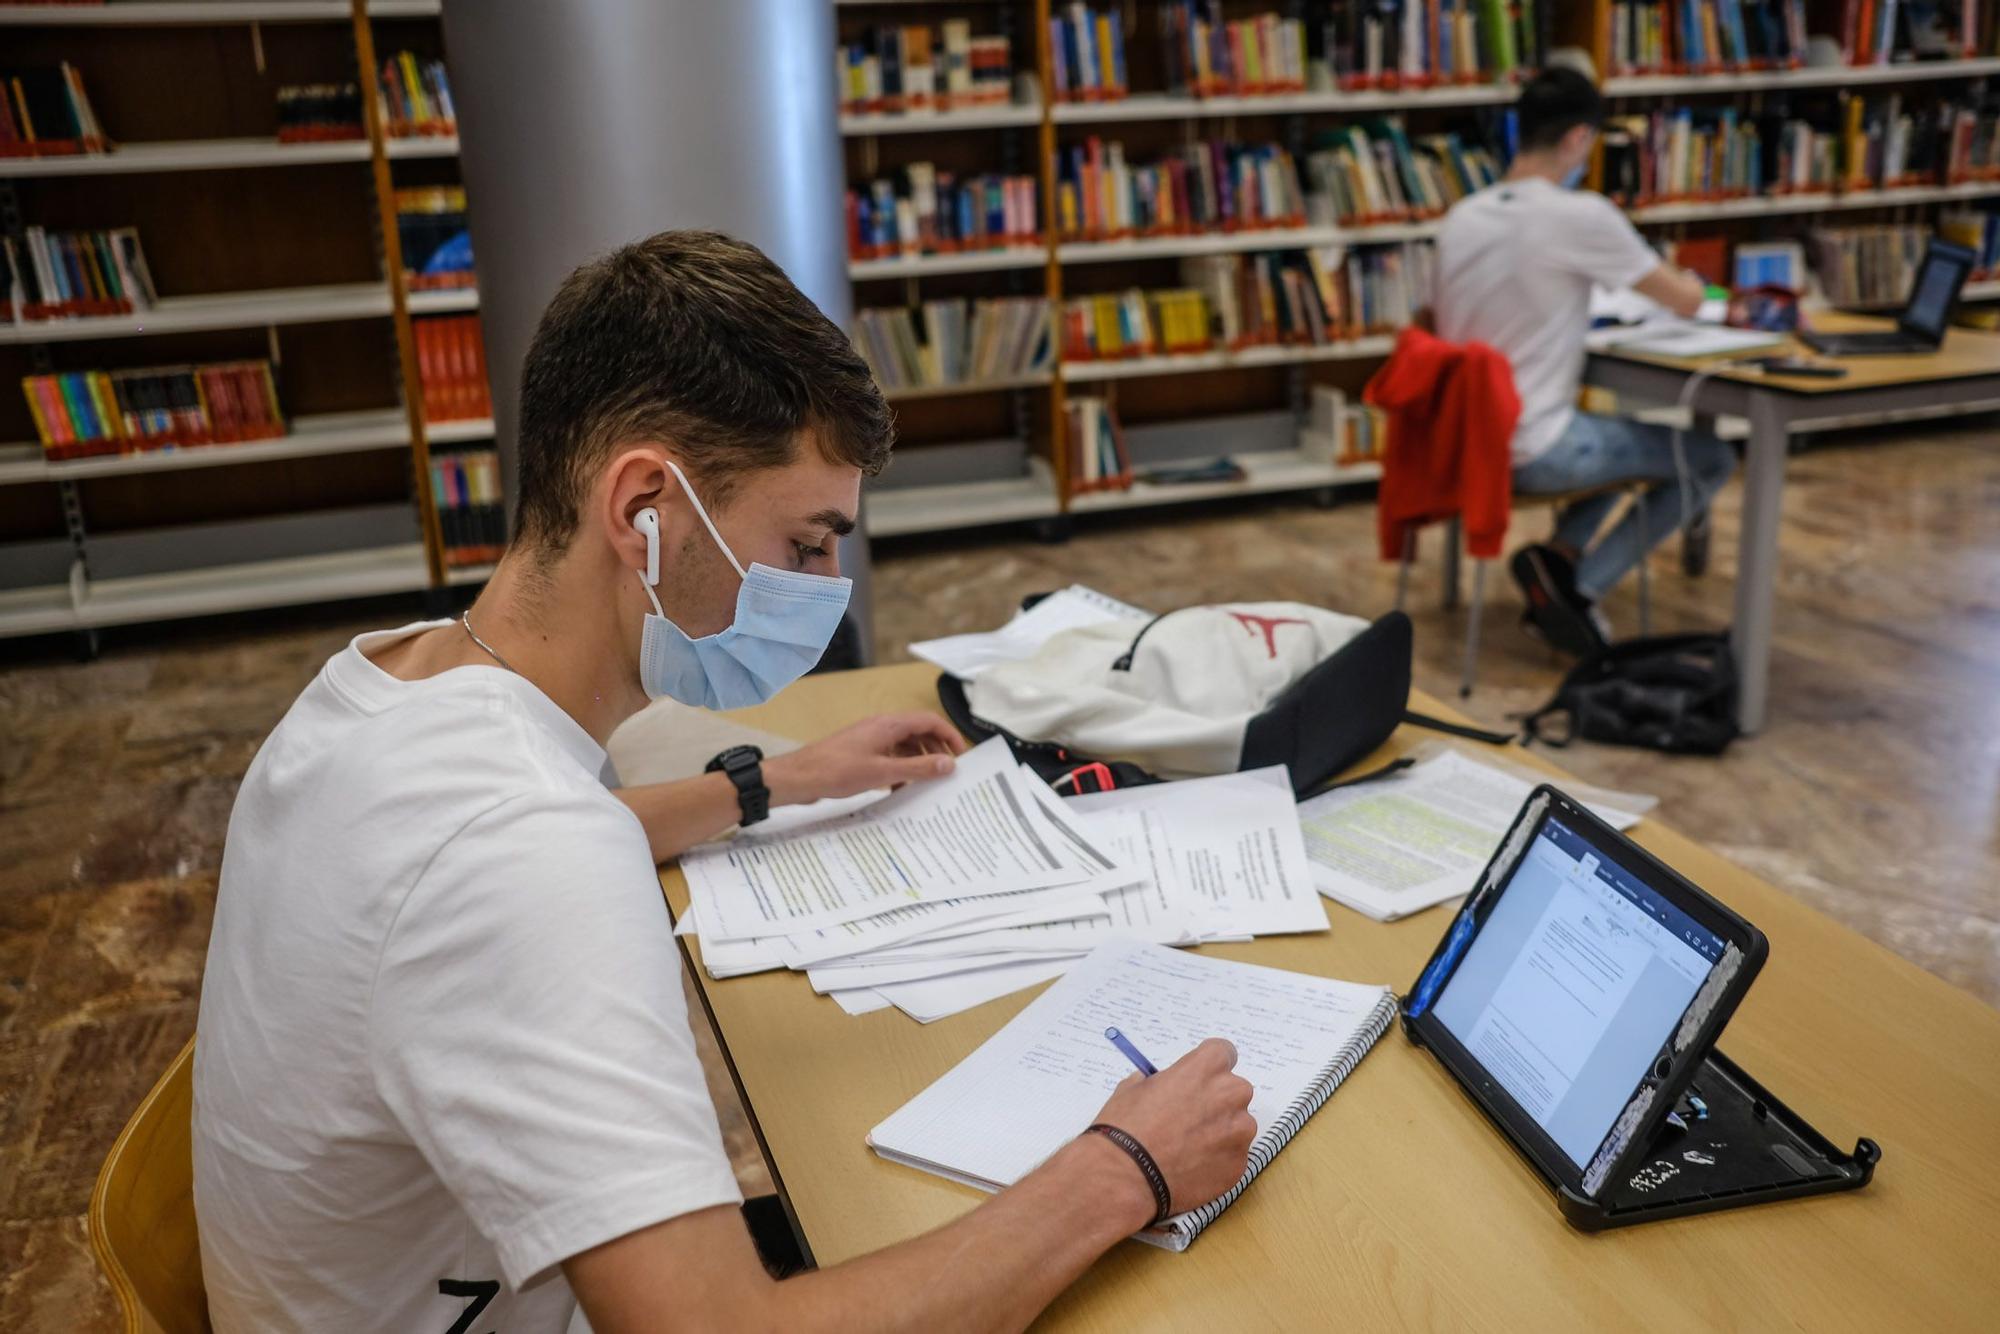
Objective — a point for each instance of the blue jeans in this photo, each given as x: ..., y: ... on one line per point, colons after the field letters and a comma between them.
x: 1594, y: 451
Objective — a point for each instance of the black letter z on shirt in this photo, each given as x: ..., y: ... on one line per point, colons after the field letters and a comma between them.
x: 482, y: 1291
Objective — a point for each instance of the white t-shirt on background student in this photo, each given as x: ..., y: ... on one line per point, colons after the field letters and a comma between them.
x: 1515, y: 264
x: 443, y: 1044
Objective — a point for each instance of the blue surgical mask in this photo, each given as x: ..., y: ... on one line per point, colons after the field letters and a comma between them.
x: 784, y: 621
x: 1573, y: 177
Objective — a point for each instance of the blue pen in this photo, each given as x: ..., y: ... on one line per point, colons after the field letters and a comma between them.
x: 1124, y: 1044
x: 1454, y: 945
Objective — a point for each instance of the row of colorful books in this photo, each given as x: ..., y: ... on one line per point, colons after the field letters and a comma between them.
x: 471, y: 508
x: 1211, y: 185
x: 1425, y: 43
x: 1343, y: 431
x: 1835, y: 143
x: 319, y: 113
x: 1980, y: 230
x: 1868, y: 266
x: 953, y: 341
x: 924, y: 211
x: 1207, y: 55
x: 60, y: 275
x: 1320, y: 295
x: 451, y: 362
x: 1098, y: 458
x: 44, y: 112
x: 1373, y: 172
x: 910, y: 68
x: 1312, y: 297
x: 83, y: 413
x: 1706, y: 36
x: 416, y: 96
x: 1875, y: 32
x: 436, y: 245
x: 1087, y: 53
x: 1699, y: 154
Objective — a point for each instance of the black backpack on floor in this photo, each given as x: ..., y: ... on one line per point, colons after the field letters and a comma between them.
x: 1674, y: 693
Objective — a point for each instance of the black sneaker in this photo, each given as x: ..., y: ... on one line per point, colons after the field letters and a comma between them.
x: 1557, y: 613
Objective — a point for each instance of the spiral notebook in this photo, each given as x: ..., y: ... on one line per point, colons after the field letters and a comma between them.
x: 1038, y: 1082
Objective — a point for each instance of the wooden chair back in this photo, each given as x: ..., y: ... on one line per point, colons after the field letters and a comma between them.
x: 142, y: 1223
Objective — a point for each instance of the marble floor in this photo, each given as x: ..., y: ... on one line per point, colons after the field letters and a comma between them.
x: 1873, y: 794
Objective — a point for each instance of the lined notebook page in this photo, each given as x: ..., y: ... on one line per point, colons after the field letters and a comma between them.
x: 1036, y: 1084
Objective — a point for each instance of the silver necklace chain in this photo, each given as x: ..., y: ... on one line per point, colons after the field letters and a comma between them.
x: 465, y: 619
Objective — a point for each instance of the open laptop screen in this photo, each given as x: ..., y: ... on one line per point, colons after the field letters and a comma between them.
x: 1573, y: 984
x: 1942, y: 273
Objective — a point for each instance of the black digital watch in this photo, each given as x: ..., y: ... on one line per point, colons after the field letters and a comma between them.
x: 745, y: 767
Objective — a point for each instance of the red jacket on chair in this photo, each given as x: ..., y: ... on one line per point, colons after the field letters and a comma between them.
x: 1452, y: 410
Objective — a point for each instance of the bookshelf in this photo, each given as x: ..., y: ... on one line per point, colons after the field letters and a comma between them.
x: 299, y: 245
x: 1166, y: 397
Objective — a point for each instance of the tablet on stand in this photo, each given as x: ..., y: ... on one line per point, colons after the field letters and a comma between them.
x: 1577, y: 998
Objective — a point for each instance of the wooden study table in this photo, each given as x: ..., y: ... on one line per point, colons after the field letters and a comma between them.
x: 1398, y: 1206
x: 1965, y: 371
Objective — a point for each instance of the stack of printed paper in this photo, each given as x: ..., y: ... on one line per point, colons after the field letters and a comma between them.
x: 948, y: 894
x: 1397, y: 845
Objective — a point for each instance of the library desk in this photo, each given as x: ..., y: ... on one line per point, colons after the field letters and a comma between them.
x: 1398, y: 1206
x: 1963, y: 373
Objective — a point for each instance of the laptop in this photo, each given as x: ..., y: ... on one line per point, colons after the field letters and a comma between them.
x: 1921, y: 326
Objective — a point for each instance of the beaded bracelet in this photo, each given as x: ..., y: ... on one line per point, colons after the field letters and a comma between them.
x: 1147, y: 1168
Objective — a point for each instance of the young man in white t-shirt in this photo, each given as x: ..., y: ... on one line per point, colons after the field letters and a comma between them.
x: 1515, y: 266
x: 443, y: 1079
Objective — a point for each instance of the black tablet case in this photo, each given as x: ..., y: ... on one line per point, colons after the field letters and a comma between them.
x: 1750, y: 1149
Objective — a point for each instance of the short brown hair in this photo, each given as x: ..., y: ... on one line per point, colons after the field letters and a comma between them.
x: 694, y: 339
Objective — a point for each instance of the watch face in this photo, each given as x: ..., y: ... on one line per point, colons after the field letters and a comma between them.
x: 737, y: 757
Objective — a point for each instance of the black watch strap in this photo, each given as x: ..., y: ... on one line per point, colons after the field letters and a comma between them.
x: 745, y: 767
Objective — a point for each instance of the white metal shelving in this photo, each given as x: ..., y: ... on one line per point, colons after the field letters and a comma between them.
x: 1816, y: 76
x: 202, y: 13
x: 188, y: 155
x: 1769, y: 205
x: 947, y: 507
x: 855, y: 125
x: 36, y: 611
x: 973, y: 261
x: 1224, y: 243
x: 444, y: 301
x: 1036, y: 379
x: 215, y: 310
x: 422, y: 145
x: 368, y: 572
x: 86, y: 604
x: 460, y: 432
x: 1266, y: 472
x: 1132, y: 368
x: 310, y: 437
x: 168, y: 155
x: 1169, y: 106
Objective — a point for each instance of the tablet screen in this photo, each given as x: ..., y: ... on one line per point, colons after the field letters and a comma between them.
x: 1573, y: 985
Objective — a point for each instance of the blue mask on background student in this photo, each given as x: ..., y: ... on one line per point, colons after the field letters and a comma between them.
x: 784, y: 621
x: 1573, y: 177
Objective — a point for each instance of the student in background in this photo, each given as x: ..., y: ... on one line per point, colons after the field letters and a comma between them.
x: 1515, y: 266
x: 443, y: 1072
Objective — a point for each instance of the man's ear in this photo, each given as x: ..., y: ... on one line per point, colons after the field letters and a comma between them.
x: 633, y: 481
x: 1580, y: 138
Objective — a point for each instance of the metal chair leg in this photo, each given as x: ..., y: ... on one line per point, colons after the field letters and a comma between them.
x: 1472, y: 626
x: 1645, y: 597
x: 1403, y: 570
x: 1453, y: 536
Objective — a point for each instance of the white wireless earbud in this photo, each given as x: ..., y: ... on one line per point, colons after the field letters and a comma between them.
x: 647, y: 521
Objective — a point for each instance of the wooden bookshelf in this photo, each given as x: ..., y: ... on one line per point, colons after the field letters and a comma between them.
x: 262, y: 249
x: 1219, y: 384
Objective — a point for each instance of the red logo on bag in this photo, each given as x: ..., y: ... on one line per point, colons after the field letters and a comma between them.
x: 1268, y: 624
